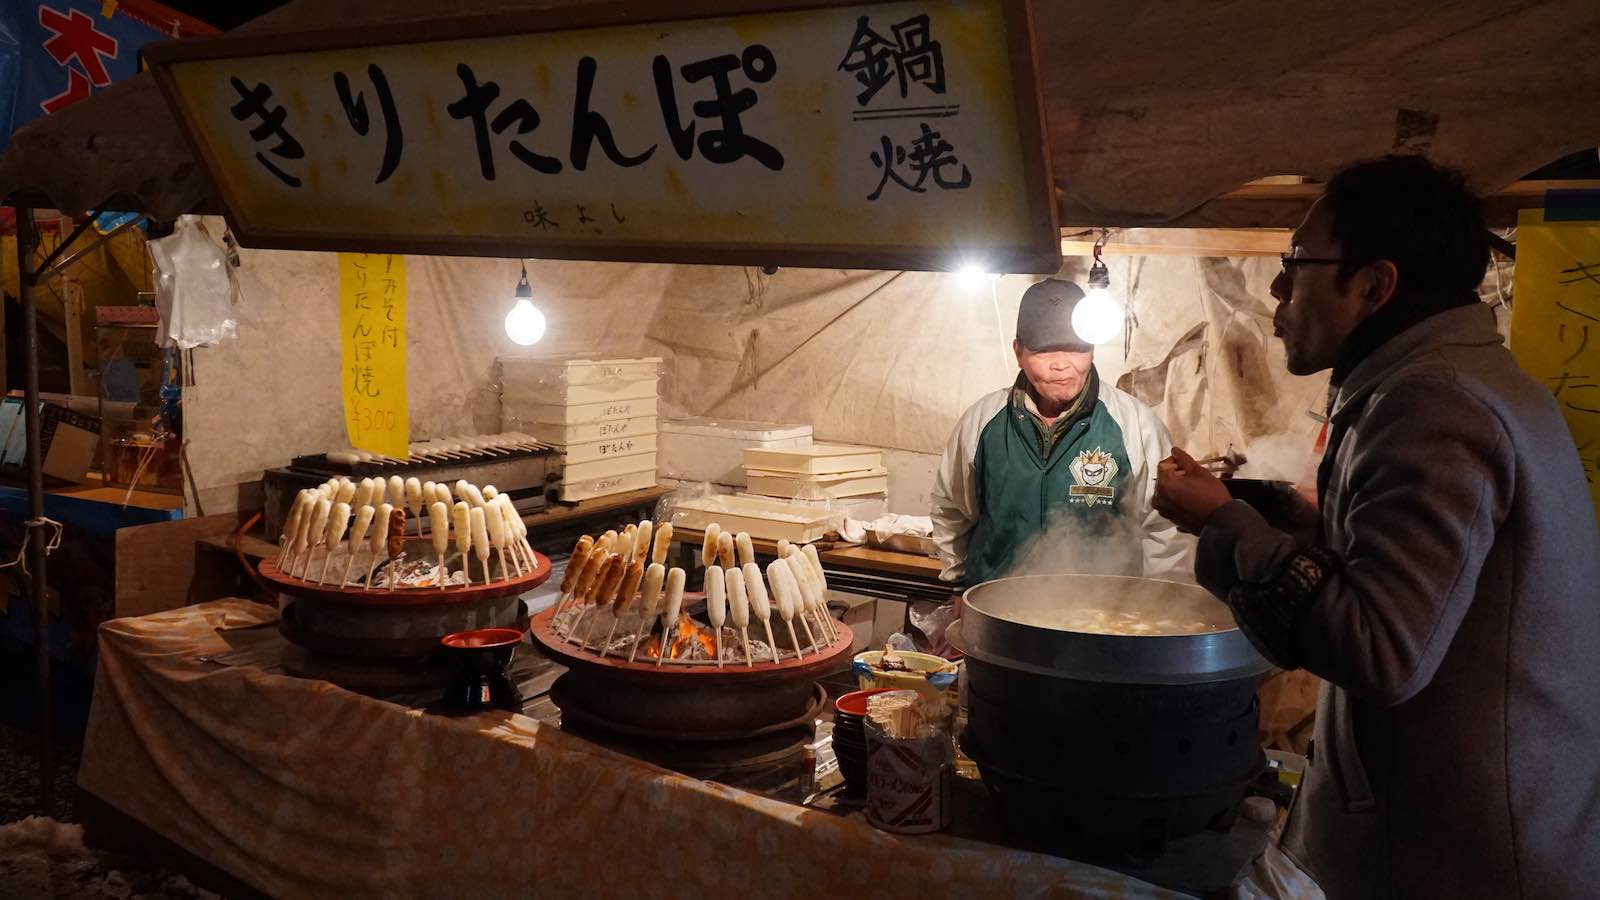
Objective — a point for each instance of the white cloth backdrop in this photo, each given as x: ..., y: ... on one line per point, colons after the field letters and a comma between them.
x: 882, y: 358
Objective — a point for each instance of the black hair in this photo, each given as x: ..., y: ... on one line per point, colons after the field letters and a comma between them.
x: 1415, y: 213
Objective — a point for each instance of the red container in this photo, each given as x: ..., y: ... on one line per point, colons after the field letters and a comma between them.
x: 855, y: 703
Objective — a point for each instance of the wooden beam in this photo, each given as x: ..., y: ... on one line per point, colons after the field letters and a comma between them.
x: 1183, y: 242
x: 1257, y: 206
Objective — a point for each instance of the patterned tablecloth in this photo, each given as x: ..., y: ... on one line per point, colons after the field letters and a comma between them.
x: 303, y: 789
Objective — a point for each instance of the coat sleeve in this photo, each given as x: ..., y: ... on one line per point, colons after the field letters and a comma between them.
x: 1429, y: 485
x: 1167, y: 551
x: 954, y: 498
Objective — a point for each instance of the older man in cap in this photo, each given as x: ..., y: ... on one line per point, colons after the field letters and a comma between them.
x: 1055, y: 472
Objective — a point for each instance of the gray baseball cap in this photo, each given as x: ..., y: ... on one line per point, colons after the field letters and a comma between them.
x: 1044, y: 320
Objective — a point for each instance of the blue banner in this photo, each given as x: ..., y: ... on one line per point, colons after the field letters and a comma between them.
x: 54, y: 53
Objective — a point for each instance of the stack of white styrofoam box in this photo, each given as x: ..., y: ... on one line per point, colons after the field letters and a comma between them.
x: 846, y: 478
x: 695, y: 450
x: 600, y: 412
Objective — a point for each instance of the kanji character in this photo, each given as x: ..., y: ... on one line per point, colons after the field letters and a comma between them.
x: 913, y: 56
x: 539, y: 218
x: 930, y: 155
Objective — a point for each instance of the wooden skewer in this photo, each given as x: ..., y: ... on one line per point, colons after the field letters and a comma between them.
x: 767, y: 624
x: 798, y: 652
x: 806, y: 626
x: 744, y: 639
x: 719, y: 647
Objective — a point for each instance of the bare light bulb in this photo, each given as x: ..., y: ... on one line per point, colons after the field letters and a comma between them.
x: 1098, y: 317
x: 971, y: 277
x: 524, y: 323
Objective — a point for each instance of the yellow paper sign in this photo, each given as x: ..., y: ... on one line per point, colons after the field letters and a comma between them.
x: 1555, y: 323
x: 372, y: 337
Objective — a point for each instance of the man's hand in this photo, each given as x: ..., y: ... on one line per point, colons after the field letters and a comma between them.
x: 1186, y: 493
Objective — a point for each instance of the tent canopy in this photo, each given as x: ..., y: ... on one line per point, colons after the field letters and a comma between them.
x: 1153, y: 108
x: 121, y: 149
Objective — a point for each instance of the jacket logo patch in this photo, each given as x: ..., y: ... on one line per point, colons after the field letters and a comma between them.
x: 1093, y: 472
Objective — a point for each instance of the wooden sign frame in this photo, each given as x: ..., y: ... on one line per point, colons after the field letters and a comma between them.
x: 1040, y: 254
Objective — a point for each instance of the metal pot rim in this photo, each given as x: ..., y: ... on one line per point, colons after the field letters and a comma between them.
x: 990, y: 637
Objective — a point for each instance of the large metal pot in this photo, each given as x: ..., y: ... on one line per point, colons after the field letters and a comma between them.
x: 1118, y: 742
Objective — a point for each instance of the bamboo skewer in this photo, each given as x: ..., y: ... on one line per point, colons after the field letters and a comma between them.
x: 626, y: 592
x: 670, y: 610
x: 649, y: 601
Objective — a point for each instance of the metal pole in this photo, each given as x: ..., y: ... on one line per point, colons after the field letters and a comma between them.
x: 27, y: 239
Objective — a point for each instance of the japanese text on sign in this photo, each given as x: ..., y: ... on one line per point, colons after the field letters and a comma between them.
x: 1555, y: 323
x: 372, y: 338
x: 890, y: 125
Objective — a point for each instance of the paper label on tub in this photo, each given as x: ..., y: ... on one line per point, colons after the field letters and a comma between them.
x: 908, y: 785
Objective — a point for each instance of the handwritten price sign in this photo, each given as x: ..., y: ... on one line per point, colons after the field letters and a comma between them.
x: 1555, y: 324
x: 372, y: 338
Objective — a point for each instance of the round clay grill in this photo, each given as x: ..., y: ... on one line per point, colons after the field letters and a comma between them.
x: 400, y: 624
x: 688, y: 702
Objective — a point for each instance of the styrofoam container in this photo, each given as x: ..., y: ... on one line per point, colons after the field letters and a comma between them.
x: 573, y: 491
x: 609, y: 466
x: 589, y: 451
x: 583, y: 432
x: 579, y: 380
x: 771, y: 520
x: 817, y: 459
x: 864, y: 508
x: 518, y: 413
x: 697, y: 488
x: 807, y: 487
x: 707, y: 449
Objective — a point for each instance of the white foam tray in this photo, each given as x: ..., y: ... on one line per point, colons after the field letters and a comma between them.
x: 583, y: 432
x: 817, y: 459
x: 520, y: 412
x: 609, y: 466
x: 769, y: 519
x: 610, y: 448
x: 573, y: 491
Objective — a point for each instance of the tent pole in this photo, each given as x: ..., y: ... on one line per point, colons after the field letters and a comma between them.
x: 27, y: 239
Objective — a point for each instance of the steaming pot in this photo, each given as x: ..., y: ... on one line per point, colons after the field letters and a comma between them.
x: 1119, y: 741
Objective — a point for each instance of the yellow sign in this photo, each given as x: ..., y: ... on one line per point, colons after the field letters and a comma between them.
x: 1555, y: 323
x: 887, y: 135
x: 372, y: 340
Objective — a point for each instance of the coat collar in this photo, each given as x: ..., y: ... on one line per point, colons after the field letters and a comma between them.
x: 1466, y: 326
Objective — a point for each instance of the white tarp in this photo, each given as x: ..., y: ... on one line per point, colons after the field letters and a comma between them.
x: 882, y: 358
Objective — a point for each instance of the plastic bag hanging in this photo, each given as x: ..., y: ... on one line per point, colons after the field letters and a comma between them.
x: 194, y: 290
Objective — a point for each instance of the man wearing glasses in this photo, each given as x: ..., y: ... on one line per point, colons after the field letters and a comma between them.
x: 1449, y: 591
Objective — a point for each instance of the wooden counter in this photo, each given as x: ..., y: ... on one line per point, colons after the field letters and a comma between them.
x: 893, y: 562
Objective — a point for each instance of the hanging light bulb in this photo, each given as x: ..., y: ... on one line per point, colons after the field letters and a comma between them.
x: 1098, y: 317
x: 524, y: 323
x: 972, y: 277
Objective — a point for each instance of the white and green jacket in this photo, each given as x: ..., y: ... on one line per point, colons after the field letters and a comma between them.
x: 1005, y: 501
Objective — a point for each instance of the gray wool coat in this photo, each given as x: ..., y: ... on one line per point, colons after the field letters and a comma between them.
x: 1452, y: 605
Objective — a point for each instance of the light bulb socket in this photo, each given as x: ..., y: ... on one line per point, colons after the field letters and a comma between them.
x: 1099, y: 275
x: 524, y: 289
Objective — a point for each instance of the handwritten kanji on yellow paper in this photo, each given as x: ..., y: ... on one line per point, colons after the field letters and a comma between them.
x: 1555, y: 323
x: 372, y: 338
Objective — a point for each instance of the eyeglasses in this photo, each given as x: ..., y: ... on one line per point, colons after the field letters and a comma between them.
x: 1289, y: 261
